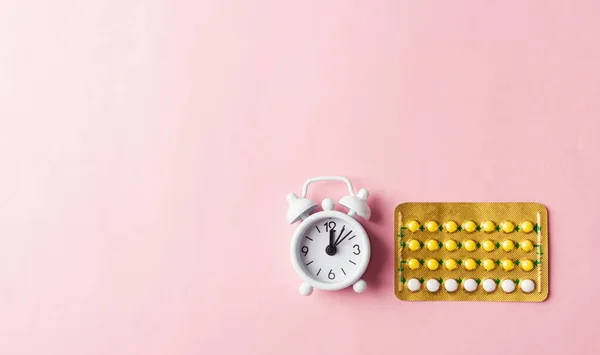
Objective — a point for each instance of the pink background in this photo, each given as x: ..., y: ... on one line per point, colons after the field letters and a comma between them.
x: 147, y: 148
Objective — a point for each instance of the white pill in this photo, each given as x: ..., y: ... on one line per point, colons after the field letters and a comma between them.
x: 489, y: 285
x: 470, y: 285
x: 433, y: 285
x: 508, y: 286
x: 451, y: 285
x: 527, y: 286
x: 414, y: 285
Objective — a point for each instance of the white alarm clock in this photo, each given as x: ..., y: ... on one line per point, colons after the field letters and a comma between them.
x: 330, y: 250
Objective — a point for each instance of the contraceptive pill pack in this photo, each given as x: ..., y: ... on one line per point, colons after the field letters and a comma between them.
x: 495, y: 252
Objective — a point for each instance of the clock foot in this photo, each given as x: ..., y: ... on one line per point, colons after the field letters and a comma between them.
x: 305, y: 289
x: 360, y: 286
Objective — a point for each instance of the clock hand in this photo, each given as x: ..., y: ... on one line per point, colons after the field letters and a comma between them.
x: 339, y: 235
x: 341, y: 240
x: 330, y: 250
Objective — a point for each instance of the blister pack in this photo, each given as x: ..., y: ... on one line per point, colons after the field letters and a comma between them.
x: 494, y: 252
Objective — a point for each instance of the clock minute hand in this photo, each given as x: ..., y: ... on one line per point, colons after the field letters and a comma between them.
x: 339, y: 235
x: 341, y: 240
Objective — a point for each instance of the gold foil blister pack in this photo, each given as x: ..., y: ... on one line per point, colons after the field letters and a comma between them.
x: 494, y: 252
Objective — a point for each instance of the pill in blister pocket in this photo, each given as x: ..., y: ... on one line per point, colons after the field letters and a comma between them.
x: 450, y: 264
x: 527, y: 286
x: 450, y: 245
x: 526, y: 264
x: 470, y: 264
x: 526, y: 226
x: 489, y: 285
x: 413, y: 226
x: 488, y: 226
x: 432, y: 226
x: 508, y: 285
x: 413, y: 263
x: 469, y: 226
x: 507, y: 226
x: 450, y: 226
x: 433, y: 285
x: 507, y: 264
x: 488, y: 264
x: 488, y: 245
x: 470, y: 285
x: 413, y: 245
x: 451, y: 285
x: 432, y: 244
x: 414, y: 285
x: 526, y: 245
x: 432, y: 264
x: 507, y: 245
x: 470, y: 245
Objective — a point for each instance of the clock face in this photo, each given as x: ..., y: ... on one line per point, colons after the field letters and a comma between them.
x: 333, y: 250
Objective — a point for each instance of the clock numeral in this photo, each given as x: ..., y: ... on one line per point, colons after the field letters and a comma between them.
x: 357, y: 251
x: 331, y: 275
x: 329, y: 225
x: 305, y: 250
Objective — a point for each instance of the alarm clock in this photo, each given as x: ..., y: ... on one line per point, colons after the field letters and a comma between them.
x: 330, y: 250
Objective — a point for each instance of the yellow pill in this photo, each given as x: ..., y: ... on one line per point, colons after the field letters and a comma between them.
x: 526, y: 245
x: 488, y: 226
x: 470, y: 245
x: 507, y: 245
x: 507, y: 264
x: 450, y: 226
x: 526, y: 226
x: 413, y: 245
x: 450, y: 245
x: 526, y: 264
x: 432, y: 244
x: 470, y: 264
x: 488, y: 245
x: 432, y: 264
x: 507, y: 226
x: 413, y: 226
x: 488, y: 264
x: 413, y: 263
x: 469, y: 226
x: 432, y: 226
x: 450, y: 264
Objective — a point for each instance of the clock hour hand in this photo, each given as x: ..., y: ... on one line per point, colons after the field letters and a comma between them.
x: 331, y: 249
